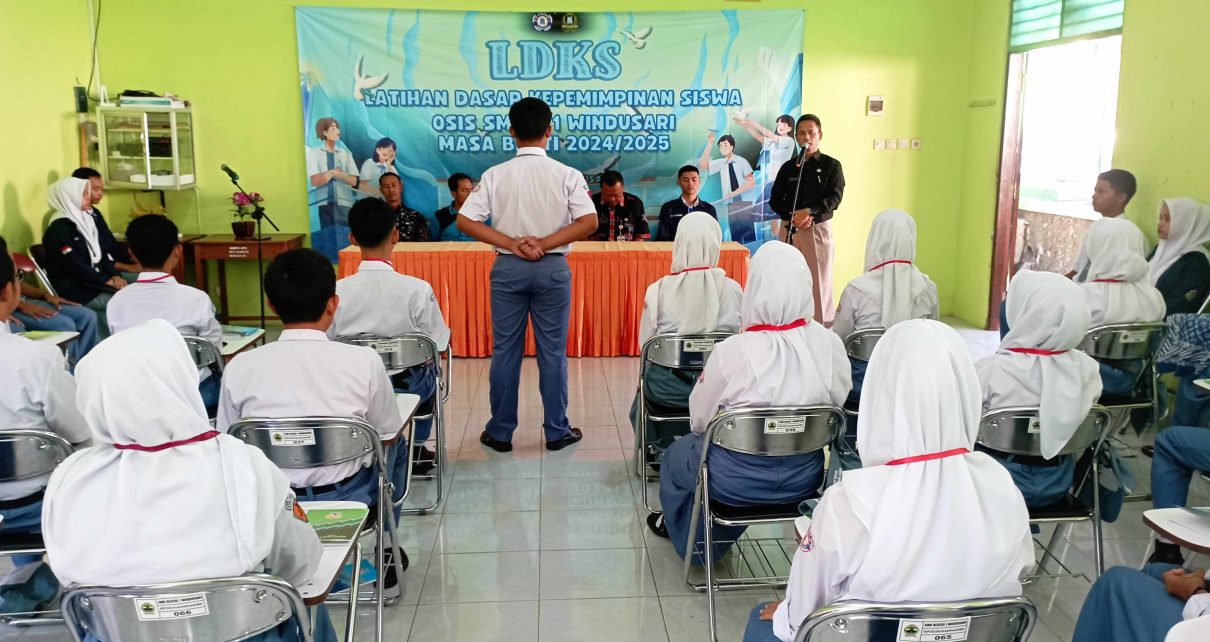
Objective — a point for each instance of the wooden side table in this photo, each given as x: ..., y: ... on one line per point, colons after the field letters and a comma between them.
x: 223, y: 248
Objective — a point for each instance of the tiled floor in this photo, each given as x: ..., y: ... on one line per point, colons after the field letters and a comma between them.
x: 538, y: 545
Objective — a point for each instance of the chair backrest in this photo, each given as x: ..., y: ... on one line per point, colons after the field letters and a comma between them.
x: 686, y: 351
x: 1124, y: 341
x: 28, y: 264
x: 308, y: 442
x: 860, y: 344
x: 1009, y: 619
x: 205, y: 354
x: 1016, y: 431
x: 398, y: 353
x: 26, y: 453
x: 775, y: 432
x: 217, y: 610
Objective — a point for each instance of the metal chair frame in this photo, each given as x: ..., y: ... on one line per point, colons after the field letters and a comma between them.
x: 205, y: 354
x: 1014, y: 431
x: 1002, y: 619
x: 337, y: 440
x: 858, y: 345
x: 403, y: 352
x: 746, y: 431
x: 115, y: 613
x: 22, y: 259
x: 670, y: 350
x: 28, y: 453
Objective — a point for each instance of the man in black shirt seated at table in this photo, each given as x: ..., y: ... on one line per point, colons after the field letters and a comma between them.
x: 412, y: 225
x: 621, y: 216
x: 673, y: 211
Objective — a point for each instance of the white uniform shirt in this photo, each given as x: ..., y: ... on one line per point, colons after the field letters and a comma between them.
x: 157, y: 295
x: 1198, y: 605
x: 37, y: 393
x: 859, y: 311
x: 530, y: 195
x: 743, y: 169
x: 302, y: 374
x: 665, y: 321
x: 381, y: 302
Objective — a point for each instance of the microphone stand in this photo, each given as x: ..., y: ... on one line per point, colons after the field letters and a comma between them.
x: 258, y: 213
x: 802, y: 163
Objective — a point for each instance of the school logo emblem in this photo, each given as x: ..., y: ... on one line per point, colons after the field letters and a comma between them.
x: 277, y: 436
x: 543, y: 22
x: 808, y: 542
x: 911, y: 629
x: 147, y: 607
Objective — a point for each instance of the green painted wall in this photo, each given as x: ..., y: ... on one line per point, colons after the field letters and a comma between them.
x: 237, y: 62
x: 1163, y: 104
x: 43, y: 51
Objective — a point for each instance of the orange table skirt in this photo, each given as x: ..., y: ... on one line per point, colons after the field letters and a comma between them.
x: 608, y: 281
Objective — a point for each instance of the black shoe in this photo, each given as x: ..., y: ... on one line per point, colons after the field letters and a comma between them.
x: 655, y: 522
x: 391, y: 579
x: 653, y: 459
x: 1166, y: 553
x: 495, y: 444
x: 423, y: 460
x: 560, y: 444
x: 1148, y: 451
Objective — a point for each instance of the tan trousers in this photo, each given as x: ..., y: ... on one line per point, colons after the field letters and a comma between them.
x: 815, y: 243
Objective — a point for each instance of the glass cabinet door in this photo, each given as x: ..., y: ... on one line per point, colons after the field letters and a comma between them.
x: 126, y: 160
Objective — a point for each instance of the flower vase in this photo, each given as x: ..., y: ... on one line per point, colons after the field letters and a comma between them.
x: 243, y: 230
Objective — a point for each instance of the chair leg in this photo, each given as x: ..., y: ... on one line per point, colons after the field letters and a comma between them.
x: 693, y: 525
x: 354, y: 594
x: 1098, y: 541
x: 708, y: 556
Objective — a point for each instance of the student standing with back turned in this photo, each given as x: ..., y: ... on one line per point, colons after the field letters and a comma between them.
x: 538, y: 206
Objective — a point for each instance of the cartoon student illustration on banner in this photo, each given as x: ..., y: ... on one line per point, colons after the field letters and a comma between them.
x: 777, y: 146
x: 334, y: 178
x: 738, y: 182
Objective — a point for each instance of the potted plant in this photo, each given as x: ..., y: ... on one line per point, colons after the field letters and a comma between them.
x: 245, y: 204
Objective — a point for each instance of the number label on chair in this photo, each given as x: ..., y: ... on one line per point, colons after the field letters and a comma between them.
x: 385, y: 347
x: 1035, y: 425
x: 785, y: 425
x: 1138, y: 336
x: 954, y: 630
x: 698, y: 345
x: 295, y: 437
x: 176, y: 607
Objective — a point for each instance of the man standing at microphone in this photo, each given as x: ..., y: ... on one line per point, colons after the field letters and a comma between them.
x: 805, y: 195
x: 538, y: 207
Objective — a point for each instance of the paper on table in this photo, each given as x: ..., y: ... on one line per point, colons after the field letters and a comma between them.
x: 38, y: 335
x: 337, y: 525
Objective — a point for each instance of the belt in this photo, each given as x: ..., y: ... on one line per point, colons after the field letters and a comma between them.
x: 499, y: 253
x: 327, y: 488
x: 22, y: 502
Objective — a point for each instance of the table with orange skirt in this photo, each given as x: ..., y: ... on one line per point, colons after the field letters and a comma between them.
x: 608, y: 282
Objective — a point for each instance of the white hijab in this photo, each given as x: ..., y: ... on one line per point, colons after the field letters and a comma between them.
x: 892, y: 238
x: 119, y: 515
x: 65, y: 197
x: 1117, y: 289
x: 1189, y: 231
x: 691, y: 296
x: 1047, y: 312
x: 949, y: 528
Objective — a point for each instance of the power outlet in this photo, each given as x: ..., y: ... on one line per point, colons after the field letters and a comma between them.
x: 917, y: 143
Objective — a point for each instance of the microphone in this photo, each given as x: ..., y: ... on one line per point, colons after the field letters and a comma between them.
x: 230, y: 172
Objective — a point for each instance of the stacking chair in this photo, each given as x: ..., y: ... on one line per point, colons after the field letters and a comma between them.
x: 37, y: 256
x: 27, y: 264
x: 216, y: 610
x: 205, y: 355
x: 999, y: 619
x: 858, y: 345
x: 771, y: 432
x: 1129, y: 342
x: 326, y: 441
x: 681, y: 352
x: 1014, y: 431
x: 26, y: 454
x: 399, y: 354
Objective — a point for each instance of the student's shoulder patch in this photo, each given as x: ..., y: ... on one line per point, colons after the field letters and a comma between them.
x: 808, y: 541
x: 66, y: 249
x: 297, y: 509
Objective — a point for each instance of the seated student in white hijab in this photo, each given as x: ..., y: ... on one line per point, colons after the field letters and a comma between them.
x: 891, y: 290
x: 1180, y: 265
x: 925, y: 519
x: 782, y: 358
x: 1117, y: 291
x: 303, y: 374
x: 381, y: 302
x: 39, y: 394
x: 697, y: 297
x: 76, y: 263
x: 161, y: 496
x: 1037, y: 365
